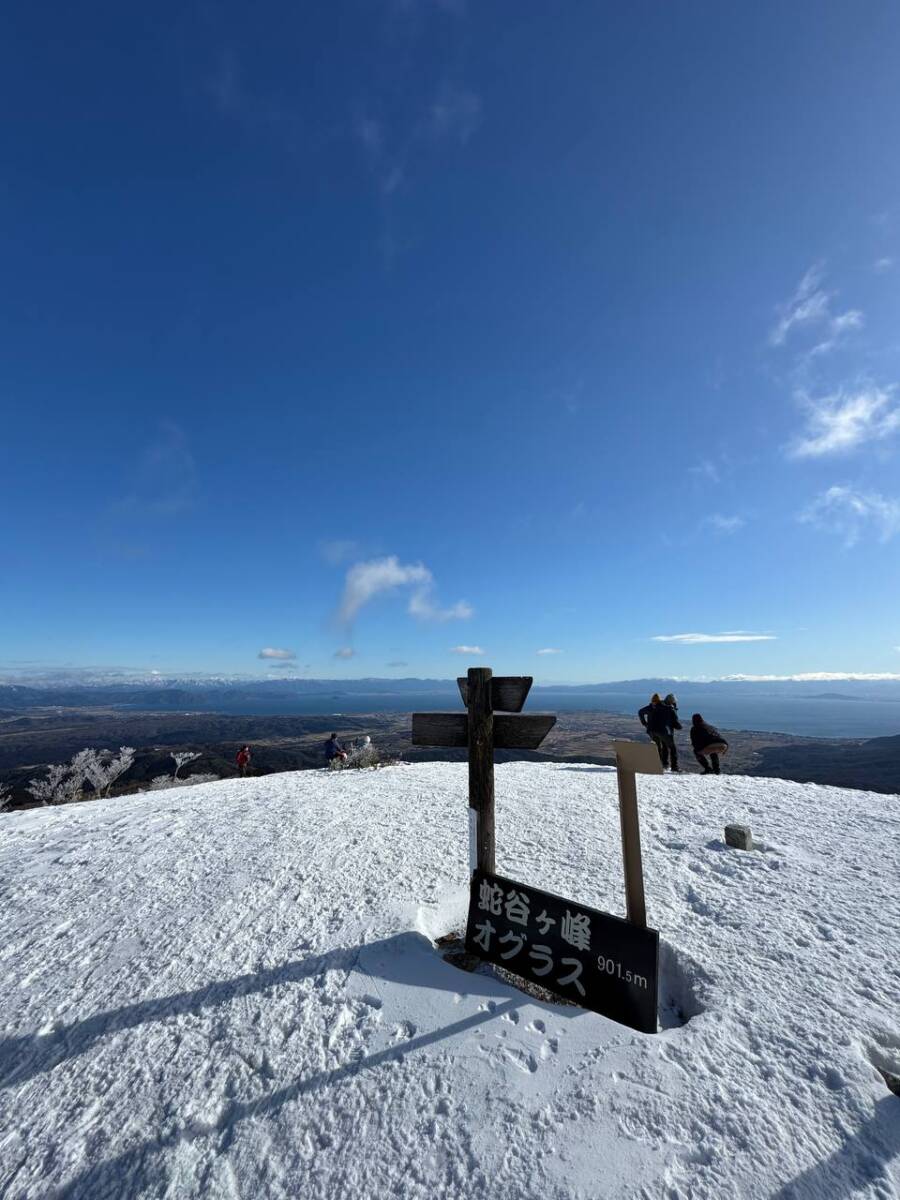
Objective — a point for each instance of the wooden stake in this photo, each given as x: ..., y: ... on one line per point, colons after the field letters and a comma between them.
x: 481, y: 764
x: 631, y: 847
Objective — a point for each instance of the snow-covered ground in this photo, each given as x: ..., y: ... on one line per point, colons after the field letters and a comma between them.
x: 231, y: 991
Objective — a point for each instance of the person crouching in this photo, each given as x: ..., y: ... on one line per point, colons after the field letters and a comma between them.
x: 708, y: 744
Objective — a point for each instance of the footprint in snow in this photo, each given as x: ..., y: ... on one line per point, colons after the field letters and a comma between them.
x: 551, y: 1046
x: 522, y: 1059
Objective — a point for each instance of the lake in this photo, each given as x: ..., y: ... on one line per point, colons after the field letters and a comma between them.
x: 804, y: 715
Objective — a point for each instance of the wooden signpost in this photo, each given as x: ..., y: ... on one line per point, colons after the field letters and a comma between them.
x: 481, y: 731
x: 631, y: 758
x: 600, y: 961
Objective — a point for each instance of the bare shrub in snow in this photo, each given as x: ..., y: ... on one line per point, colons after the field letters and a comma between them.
x: 162, y: 782
x: 5, y: 798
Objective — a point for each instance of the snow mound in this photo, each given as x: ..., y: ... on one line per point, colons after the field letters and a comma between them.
x: 232, y: 990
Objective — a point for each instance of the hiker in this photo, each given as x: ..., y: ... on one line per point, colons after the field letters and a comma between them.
x: 243, y: 760
x: 661, y: 720
x: 334, y: 751
x: 644, y: 713
x: 706, y: 740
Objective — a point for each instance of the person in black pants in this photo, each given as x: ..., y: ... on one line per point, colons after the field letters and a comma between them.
x: 707, y: 741
x: 661, y: 723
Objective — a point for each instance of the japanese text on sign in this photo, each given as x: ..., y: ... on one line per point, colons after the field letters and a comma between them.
x: 599, y: 961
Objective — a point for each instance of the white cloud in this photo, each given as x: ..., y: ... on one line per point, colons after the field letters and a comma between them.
x: 815, y: 677
x: 810, y: 307
x: 344, y: 652
x: 366, y: 580
x: 549, y: 650
x: 725, y: 524
x: 397, y: 662
x: 848, y: 513
x: 422, y: 607
x: 882, y: 264
x: 339, y: 550
x: 474, y: 650
x: 275, y: 652
x: 698, y: 639
x: 846, y: 419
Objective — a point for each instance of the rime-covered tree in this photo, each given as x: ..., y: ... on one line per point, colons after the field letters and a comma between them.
x: 5, y: 797
x: 182, y: 758
x: 102, y: 768
x: 63, y: 784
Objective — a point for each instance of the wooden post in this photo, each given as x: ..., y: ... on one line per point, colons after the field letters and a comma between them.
x: 631, y: 847
x: 481, y: 765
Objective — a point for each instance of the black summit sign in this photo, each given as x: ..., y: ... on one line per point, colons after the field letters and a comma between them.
x: 592, y: 958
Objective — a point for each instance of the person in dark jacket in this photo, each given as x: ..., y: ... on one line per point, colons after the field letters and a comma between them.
x: 644, y: 713
x: 707, y: 741
x: 661, y: 720
x: 334, y: 751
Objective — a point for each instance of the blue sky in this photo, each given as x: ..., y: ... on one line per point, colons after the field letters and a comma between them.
x: 363, y: 332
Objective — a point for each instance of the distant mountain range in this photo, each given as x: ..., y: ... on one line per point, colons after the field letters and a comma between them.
x: 169, y: 694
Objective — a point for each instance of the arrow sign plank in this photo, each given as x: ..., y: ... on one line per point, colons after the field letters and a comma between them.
x: 511, y: 732
x: 508, y: 692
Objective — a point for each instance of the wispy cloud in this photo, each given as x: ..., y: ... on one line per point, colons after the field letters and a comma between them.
x: 700, y: 639
x: 724, y: 524
x: 339, y: 550
x: 846, y: 419
x: 880, y: 265
x: 707, y: 470
x: 164, y: 479
x: 344, y: 652
x: 391, y: 149
x: 422, y: 606
x: 816, y: 677
x: 849, y: 513
x: 454, y: 113
x: 276, y: 652
x: 227, y: 88
x: 549, y: 650
x: 472, y: 650
x: 811, y: 307
x: 397, y: 662
x: 366, y: 580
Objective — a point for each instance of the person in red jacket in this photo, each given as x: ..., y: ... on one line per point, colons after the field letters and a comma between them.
x: 243, y: 760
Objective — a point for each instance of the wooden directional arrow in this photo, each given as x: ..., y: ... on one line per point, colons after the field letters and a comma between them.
x: 511, y: 731
x: 508, y: 692
x: 481, y: 731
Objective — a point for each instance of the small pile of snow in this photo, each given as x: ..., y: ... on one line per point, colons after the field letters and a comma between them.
x: 231, y: 990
